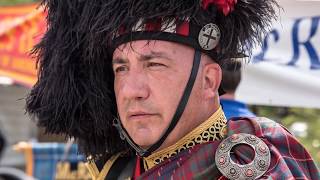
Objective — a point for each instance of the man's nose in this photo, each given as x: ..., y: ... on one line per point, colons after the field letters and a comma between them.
x: 136, y: 86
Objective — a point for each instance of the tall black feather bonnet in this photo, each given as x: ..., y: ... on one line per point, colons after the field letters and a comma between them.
x: 74, y: 93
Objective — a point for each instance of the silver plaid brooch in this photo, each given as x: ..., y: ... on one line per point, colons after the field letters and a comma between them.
x: 253, y: 170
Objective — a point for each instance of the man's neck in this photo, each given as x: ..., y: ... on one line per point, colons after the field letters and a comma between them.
x: 205, y: 114
x: 216, y: 120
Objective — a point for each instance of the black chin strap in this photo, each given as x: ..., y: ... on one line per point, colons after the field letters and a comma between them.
x: 180, y: 109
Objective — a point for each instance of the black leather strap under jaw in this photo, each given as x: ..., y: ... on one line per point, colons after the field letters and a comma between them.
x: 180, y: 109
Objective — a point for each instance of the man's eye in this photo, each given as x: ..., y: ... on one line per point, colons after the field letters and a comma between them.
x: 120, y: 69
x: 153, y: 64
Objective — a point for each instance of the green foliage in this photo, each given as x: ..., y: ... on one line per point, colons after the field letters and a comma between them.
x: 15, y: 2
x: 289, y: 116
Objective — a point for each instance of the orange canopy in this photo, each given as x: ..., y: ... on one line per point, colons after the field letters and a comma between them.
x: 21, y: 27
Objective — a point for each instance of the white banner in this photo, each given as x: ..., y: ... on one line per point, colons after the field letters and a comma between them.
x: 286, y: 70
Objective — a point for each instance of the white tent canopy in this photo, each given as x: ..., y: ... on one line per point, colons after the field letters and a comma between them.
x: 286, y: 71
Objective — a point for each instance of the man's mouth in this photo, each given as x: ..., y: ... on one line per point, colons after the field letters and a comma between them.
x: 139, y: 115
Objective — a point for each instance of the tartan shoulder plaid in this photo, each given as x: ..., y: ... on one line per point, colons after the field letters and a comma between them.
x: 289, y: 159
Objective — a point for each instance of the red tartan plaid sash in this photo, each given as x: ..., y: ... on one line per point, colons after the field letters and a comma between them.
x: 289, y: 159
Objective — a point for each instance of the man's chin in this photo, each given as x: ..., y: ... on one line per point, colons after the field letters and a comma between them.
x: 144, y: 142
x: 144, y: 138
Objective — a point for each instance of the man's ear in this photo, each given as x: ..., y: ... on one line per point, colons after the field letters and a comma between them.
x: 212, y: 75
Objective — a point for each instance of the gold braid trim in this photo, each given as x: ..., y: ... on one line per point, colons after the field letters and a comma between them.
x: 212, y: 129
x: 94, y: 172
x: 92, y: 168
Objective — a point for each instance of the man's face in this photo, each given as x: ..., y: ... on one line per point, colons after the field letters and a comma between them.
x: 150, y: 78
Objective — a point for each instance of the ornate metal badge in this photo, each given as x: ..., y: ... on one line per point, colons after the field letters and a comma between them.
x: 209, y: 36
x: 255, y: 169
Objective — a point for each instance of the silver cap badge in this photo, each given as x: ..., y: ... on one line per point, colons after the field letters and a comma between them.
x: 209, y: 36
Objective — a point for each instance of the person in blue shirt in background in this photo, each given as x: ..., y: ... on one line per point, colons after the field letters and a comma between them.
x: 230, y: 81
